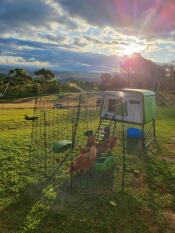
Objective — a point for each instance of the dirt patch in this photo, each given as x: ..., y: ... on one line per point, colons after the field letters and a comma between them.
x: 25, y: 105
x: 170, y: 158
x: 171, y: 146
x: 171, y: 149
x: 170, y: 216
x: 139, y: 182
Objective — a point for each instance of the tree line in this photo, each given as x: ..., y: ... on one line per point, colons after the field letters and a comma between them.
x: 18, y: 83
x: 138, y: 72
x: 135, y: 72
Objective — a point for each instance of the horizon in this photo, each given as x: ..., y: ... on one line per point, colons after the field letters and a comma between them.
x: 85, y: 36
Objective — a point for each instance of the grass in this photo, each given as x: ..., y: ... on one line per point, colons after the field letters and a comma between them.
x: 22, y: 103
x: 29, y: 204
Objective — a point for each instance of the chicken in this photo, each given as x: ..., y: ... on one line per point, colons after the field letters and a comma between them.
x: 90, y: 142
x: 107, y: 145
x: 111, y: 142
x: 85, y: 160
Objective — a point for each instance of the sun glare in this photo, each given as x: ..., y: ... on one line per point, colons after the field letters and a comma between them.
x: 130, y: 49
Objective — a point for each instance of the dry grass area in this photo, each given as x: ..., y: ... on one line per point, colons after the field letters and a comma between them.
x: 23, y: 103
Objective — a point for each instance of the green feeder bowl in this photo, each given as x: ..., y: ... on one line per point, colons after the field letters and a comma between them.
x: 61, y: 146
x: 104, y: 163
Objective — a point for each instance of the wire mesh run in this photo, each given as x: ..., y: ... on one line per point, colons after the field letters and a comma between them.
x: 61, y: 130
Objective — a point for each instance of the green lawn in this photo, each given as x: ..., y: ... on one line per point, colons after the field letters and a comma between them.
x: 29, y: 204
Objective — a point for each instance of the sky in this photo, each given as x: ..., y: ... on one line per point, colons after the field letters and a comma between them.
x: 85, y: 35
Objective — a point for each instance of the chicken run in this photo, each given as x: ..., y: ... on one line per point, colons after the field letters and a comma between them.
x: 79, y: 133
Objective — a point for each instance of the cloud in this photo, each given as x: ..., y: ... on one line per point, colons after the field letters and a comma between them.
x: 129, y: 16
x: 31, y: 14
x: 17, y: 14
x: 14, y: 60
x: 20, y: 42
x: 53, y: 56
x: 84, y: 34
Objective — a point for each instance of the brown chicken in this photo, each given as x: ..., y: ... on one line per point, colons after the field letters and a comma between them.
x: 107, y: 145
x: 90, y: 142
x: 111, y: 142
x: 85, y: 160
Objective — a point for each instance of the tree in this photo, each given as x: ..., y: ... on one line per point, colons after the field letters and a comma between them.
x: 3, y: 84
x: 45, y: 75
x: 140, y: 70
x: 20, y: 73
x: 47, y: 82
x: 18, y: 77
x: 53, y: 87
x: 17, y: 72
x: 105, y: 81
x: 18, y: 83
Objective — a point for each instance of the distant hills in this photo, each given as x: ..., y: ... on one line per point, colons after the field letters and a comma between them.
x: 68, y: 76
x: 64, y: 76
x: 134, y: 64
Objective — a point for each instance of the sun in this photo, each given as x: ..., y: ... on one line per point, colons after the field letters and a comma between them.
x: 131, y: 49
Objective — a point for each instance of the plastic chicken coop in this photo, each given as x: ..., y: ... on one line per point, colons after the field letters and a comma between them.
x: 138, y: 106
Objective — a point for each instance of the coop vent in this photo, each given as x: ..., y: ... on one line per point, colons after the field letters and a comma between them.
x: 115, y: 106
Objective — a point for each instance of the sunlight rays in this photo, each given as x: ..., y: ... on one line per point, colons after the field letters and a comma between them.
x: 132, y: 48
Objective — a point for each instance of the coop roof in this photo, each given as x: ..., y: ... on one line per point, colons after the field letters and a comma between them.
x: 138, y: 91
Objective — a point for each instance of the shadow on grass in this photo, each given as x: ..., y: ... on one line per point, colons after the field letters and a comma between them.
x: 94, y: 214
x: 161, y: 182
x: 13, y: 216
x: 93, y: 206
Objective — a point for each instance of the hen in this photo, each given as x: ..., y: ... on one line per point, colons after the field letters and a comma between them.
x: 85, y: 160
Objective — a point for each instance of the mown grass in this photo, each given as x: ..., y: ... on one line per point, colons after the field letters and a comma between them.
x: 28, y: 204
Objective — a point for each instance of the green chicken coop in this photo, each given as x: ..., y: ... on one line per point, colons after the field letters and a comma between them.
x: 132, y: 106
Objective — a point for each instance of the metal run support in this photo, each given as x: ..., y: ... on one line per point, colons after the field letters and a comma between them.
x: 149, y: 133
x: 45, y: 144
x: 74, y: 132
x: 143, y: 136
x: 123, y: 148
x: 35, y: 107
x: 155, y: 138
